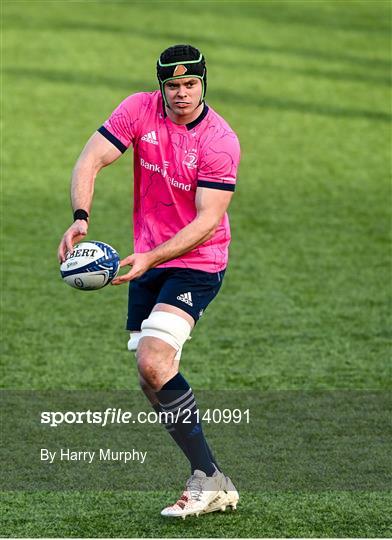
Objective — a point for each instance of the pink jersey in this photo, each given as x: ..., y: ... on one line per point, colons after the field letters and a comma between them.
x: 170, y: 162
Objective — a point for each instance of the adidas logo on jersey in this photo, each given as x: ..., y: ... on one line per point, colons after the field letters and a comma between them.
x: 186, y: 298
x: 150, y: 137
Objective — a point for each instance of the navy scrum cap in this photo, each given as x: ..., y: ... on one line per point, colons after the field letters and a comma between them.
x: 181, y: 61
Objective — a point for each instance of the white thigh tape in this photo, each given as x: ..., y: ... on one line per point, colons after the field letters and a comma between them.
x: 134, y: 341
x: 168, y: 327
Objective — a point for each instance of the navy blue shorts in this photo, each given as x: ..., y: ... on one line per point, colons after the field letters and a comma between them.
x: 187, y: 289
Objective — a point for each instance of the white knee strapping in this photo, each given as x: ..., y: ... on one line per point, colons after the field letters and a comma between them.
x: 133, y: 341
x: 168, y: 327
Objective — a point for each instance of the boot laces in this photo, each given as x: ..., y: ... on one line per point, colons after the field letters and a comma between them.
x: 195, y: 487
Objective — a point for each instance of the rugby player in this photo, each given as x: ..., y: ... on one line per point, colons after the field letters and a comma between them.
x: 185, y: 166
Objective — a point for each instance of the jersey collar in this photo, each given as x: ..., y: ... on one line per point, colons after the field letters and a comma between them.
x: 195, y: 122
x: 201, y: 117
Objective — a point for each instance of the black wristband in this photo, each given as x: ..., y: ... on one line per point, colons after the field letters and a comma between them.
x: 80, y: 214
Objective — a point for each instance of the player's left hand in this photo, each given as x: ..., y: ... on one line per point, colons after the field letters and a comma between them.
x: 139, y: 262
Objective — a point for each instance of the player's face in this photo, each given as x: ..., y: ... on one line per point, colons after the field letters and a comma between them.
x: 183, y: 96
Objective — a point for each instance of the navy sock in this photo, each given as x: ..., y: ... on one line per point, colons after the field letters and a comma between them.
x: 176, y: 397
x: 170, y: 428
x: 179, y: 440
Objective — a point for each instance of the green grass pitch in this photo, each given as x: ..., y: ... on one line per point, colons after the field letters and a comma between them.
x: 305, y: 305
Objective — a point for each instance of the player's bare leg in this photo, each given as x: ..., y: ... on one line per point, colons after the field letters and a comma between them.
x: 156, y: 364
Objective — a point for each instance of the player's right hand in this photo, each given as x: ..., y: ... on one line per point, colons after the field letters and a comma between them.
x: 76, y: 232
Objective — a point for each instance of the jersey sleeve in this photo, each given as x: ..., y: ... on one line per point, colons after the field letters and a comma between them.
x: 219, y: 163
x: 122, y: 126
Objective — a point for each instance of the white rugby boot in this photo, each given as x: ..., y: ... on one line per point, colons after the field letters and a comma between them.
x: 133, y: 341
x: 227, y: 497
x: 200, y: 491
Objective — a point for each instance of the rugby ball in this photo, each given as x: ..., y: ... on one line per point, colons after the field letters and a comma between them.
x: 90, y: 266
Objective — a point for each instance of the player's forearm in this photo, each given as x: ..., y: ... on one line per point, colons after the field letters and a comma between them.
x: 82, y: 186
x: 97, y: 153
x: 198, y: 231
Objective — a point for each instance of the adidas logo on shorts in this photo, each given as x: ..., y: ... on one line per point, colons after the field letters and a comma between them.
x: 150, y: 137
x: 186, y: 298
